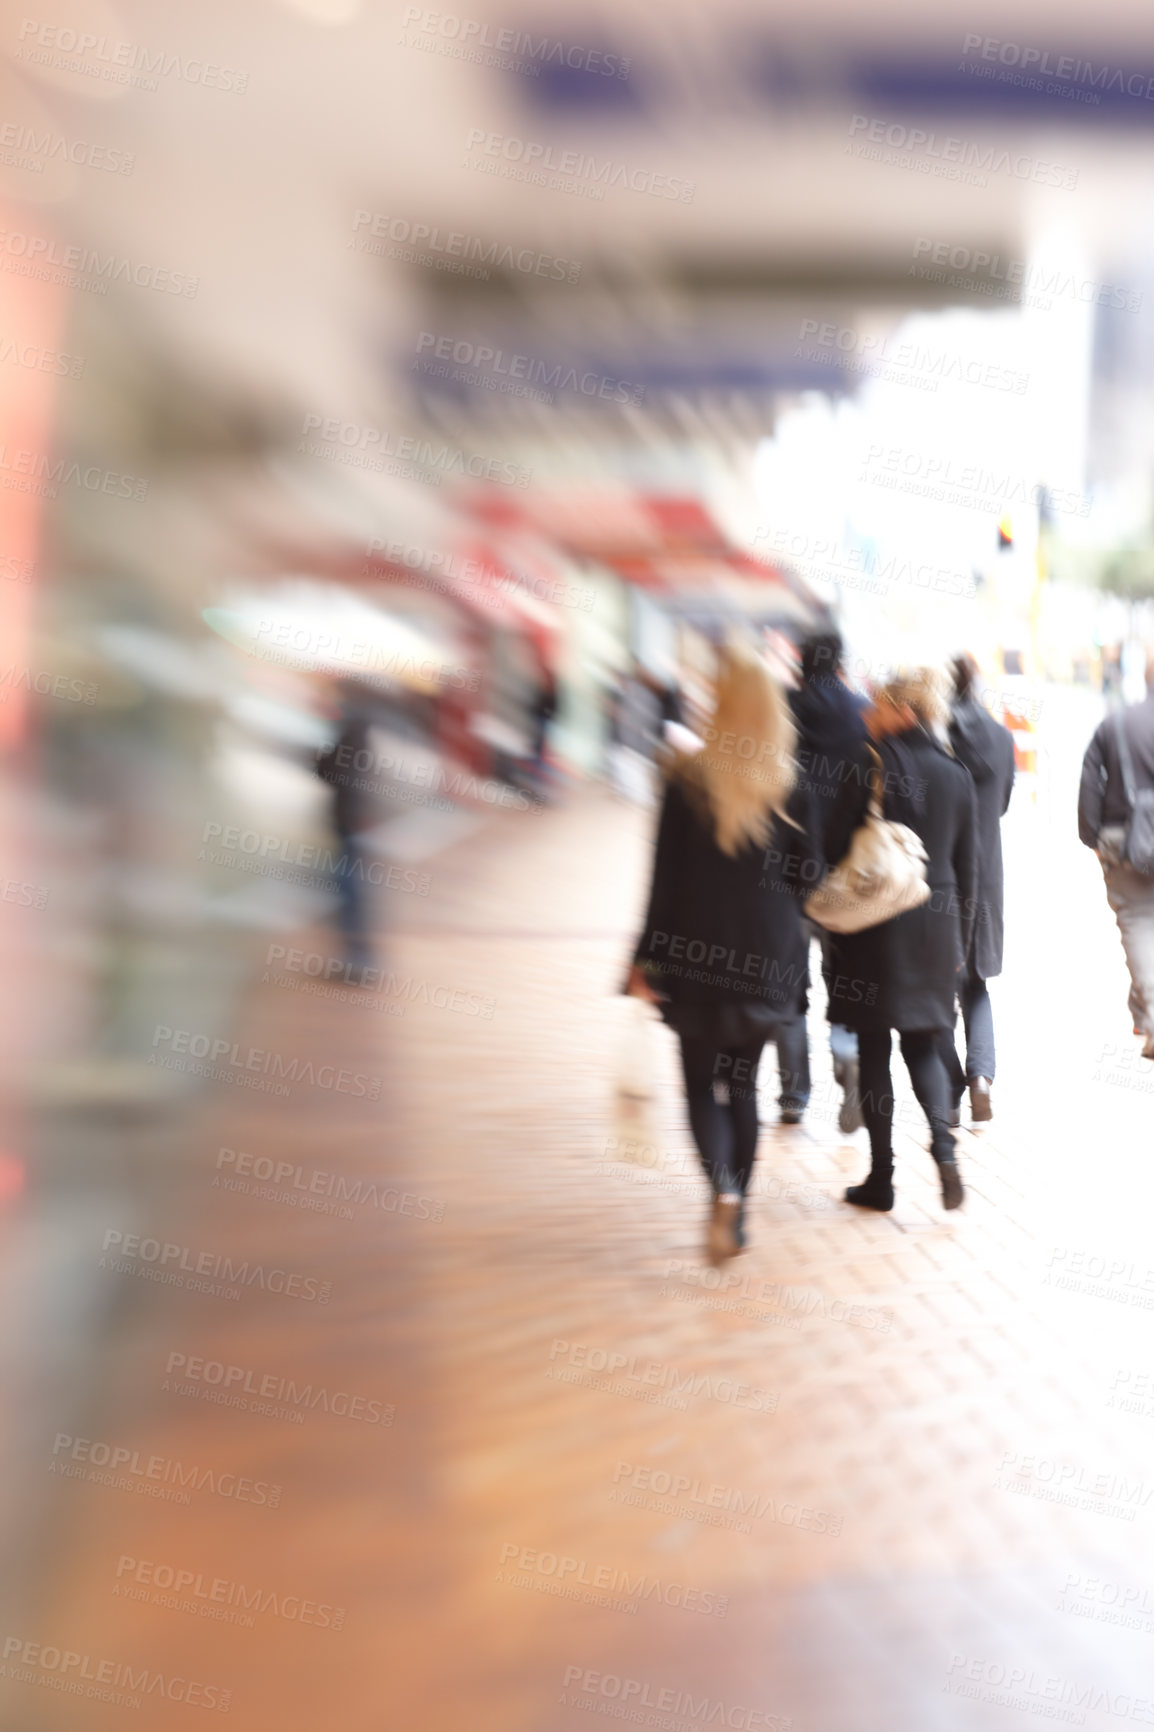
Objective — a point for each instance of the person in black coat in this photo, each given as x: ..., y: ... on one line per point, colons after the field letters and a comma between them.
x: 903, y: 974
x: 722, y: 951
x: 986, y: 748
x: 831, y: 732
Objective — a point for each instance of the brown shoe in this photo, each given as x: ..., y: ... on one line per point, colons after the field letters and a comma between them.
x: 721, y: 1240
x: 981, y: 1108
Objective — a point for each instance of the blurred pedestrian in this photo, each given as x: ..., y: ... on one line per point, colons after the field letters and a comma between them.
x: 986, y: 749
x: 668, y: 700
x: 831, y: 732
x: 542, y: 712
x: 1112, y: 673
x: 722, y: 950
x: 352, y: 813
x: 1117, y: 788
x: 903, y: 974
x: 635, y: 736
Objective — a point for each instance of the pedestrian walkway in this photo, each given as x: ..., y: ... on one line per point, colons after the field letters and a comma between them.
x: 880, y: 1473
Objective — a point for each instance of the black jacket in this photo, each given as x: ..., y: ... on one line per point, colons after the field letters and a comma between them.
x: 904, y: 973
x: 986, y: 748
x: 1102, y: 798
x: 353, y: 810
x: 830, y: 734
x: 722, y: 930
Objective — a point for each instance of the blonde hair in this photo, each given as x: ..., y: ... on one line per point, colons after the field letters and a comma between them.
x: 746, y: 770
x: 926, y: 690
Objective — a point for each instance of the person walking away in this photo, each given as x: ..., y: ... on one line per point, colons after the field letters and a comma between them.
x: 986, y: 749
x: 542, y: 713
x: 721, y: 950
x: 831, y: 733
x: 1121, y: 752
x: 904, y: 972
x: 351, y: 813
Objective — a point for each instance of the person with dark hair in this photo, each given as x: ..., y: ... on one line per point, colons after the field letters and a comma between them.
x: 1117, y: 772
x: 986, y: 749
x: 820, y: 655
x: 831, y: 731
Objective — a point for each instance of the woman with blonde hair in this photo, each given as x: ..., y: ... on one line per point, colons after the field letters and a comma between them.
x: 904, y: 974
x: 722, y: 950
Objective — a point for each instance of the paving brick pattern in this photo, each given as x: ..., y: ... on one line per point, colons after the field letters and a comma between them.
x: 883, y: 1474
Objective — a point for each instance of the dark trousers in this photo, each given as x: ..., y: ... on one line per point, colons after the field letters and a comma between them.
x: 353, y: 909
x: 724, y: 1129
x: 978, y: 1021
x: 793, y: 1062
x: 921, y: 1049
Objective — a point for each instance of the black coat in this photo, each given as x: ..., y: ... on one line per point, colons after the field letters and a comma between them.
x: 830, y: 734
x: 724, y: 931
x: 986, y: 748
x: 904, y: 973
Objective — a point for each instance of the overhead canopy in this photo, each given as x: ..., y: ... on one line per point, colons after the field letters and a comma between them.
x: 664, y: 542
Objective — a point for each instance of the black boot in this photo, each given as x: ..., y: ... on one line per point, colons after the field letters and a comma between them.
x: 943, y: 1147
x: 953, y: 1191
x: 877, y: 1190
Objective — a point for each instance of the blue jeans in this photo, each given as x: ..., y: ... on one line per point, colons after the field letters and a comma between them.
x: 842, y: 1040
x: 978, y: 1021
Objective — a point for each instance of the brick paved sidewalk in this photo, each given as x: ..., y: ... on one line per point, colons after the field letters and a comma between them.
x: 883, y: 1474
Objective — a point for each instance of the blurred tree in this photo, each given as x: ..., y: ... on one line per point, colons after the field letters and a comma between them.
x: 1128, y: 571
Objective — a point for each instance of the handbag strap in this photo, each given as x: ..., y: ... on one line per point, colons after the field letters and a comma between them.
x: 875, y: 783
x: 1125, y: 761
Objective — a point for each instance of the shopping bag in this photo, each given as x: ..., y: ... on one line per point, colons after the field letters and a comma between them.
x: 634, y: 1134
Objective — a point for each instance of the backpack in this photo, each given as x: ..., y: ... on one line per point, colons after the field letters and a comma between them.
x: 1138, y: 843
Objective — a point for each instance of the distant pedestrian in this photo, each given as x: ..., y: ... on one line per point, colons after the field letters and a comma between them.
x: 986, y: 749
x: 722, y: 950
x: 635, y: 735
x: 1117, y: 782
x: 903, y: 973
x: 352, y: 813
x: 542, y: 713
